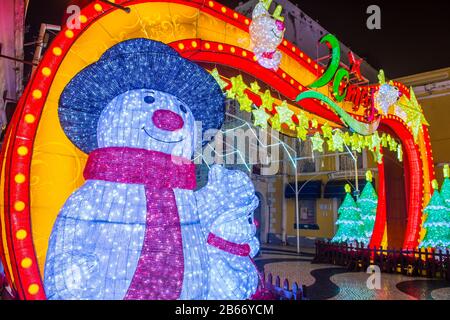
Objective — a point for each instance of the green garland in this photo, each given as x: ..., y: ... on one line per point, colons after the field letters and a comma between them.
x: 335, y: 139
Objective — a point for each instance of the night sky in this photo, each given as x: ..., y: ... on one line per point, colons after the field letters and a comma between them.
x: 414, y: 36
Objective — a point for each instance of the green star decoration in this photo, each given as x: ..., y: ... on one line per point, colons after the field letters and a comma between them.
x: 338, y: 141
x: 245, y: 104
x: 301, y: 133
x: 222, y: 83
x: 381, y: 77
x: 393, y: 145
x: 276, y: 123
x: 376, y: 141
x: 384, y: 141
x: 346, y: 137
x: 414, y: 114
x: 327, y: 131
x: 238, y: 85
x: 285, y: 113
x: 231, y: 94
x: 303, y: 125
x: 400, y: 153
x: 330, y: 145
x: 261, y: 117
x: 317, y: 142
x: 254, y: 87
x: 356, y: 143
x: 267, y: 100
x: 377, y: 156
x: 367, y: 141
x: 303, y: 120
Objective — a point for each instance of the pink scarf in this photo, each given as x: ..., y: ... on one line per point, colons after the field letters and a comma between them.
x: 237, y: 249
x: 160, y: 269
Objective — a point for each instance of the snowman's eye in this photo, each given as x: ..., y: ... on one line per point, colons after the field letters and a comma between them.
x: 149, y: 99
x: 183, y: 109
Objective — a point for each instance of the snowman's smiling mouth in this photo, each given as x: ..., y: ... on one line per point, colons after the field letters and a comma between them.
x: 164, y: 141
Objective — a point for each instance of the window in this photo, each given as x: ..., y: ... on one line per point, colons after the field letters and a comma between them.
x: 304, y: 150
x: 346, y: 162
x: 307, y: 211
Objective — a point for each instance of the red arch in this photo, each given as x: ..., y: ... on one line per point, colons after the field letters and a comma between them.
x: 23, y: 133
x: 414, y: 177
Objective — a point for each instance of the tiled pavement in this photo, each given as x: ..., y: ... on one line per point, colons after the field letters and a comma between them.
x: 325, y: 281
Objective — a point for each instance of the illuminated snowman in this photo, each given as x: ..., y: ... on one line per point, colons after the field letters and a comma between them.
x: 231, y: 239
x: 266, y: 33
x: 136, y: 229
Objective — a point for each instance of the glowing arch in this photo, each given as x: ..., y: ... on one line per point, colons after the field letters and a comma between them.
x: 203, y: 31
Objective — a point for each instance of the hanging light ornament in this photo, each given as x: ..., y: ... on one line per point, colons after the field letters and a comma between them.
x: 387, y: 95
x: 266, y: 33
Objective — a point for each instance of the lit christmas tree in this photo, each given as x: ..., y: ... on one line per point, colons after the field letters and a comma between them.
x: 445, y: 189
x: 437, y: 222
x: 349, y: 223
x: 368, y: 203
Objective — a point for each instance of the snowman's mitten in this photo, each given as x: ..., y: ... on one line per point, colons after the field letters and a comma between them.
x: 226, y: 189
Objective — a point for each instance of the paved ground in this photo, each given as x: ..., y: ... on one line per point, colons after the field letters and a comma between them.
x: 325, y: 281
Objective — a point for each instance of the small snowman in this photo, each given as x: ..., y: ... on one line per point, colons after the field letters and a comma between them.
x: 266, y: 33
x: 136, y: 229
x: 231, y: 239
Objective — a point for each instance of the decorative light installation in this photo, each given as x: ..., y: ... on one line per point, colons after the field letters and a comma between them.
x: 368, y: 203
x: 266, y: 33
x: 281, y: 115
x: 30, y: 127
x: 387, y: 95
x: 226, y: 207
x: 437, y: 222
x: 349, y: 223
x: 414, y: 114
x: 136, y: 229
x: 445, y: 189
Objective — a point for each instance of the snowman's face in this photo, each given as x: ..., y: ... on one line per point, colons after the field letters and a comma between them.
x: 148, y: 119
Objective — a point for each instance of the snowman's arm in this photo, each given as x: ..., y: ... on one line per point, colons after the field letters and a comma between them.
x: 209, y: 204
x: 254, y: 247
x: 226, y: 189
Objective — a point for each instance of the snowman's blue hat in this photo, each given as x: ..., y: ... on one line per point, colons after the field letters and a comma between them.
x: 130, y: 65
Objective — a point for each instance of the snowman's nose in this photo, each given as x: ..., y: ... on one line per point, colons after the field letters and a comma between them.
x: 167, y: 120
